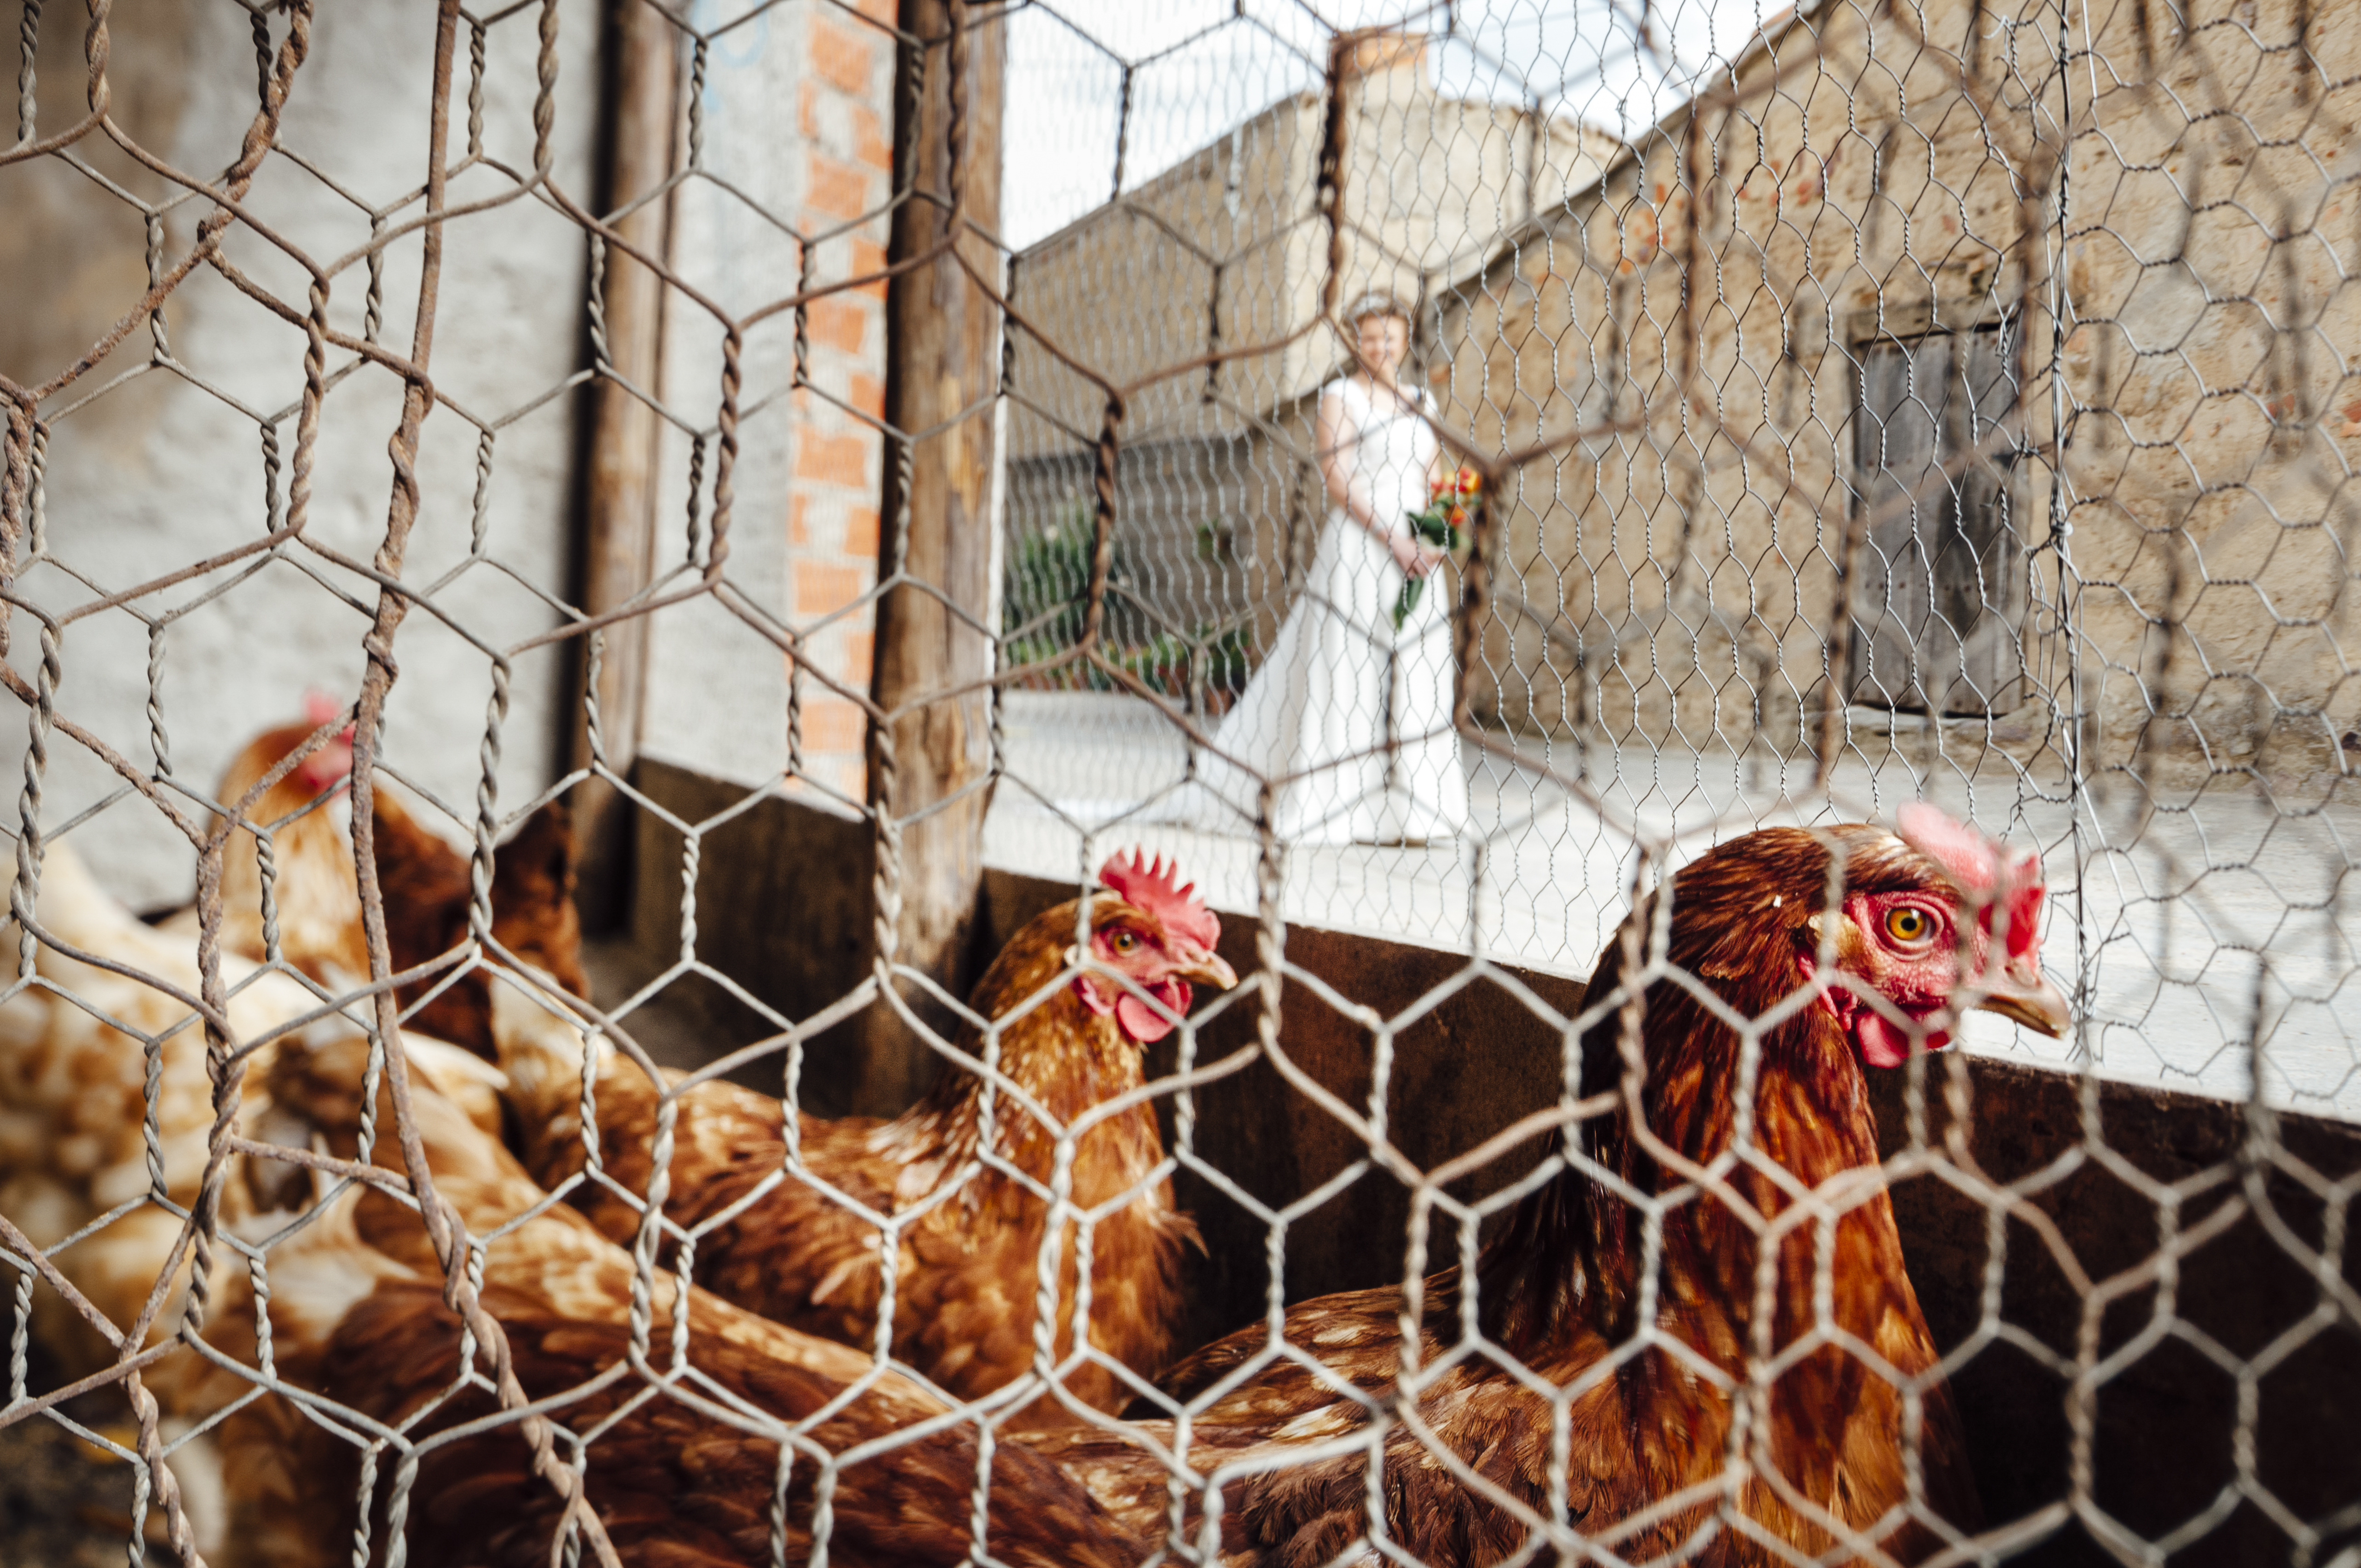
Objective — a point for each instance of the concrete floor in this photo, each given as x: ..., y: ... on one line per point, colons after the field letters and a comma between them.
x: 2167, y: 928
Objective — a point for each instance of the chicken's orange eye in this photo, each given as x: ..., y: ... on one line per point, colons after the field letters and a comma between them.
x: 1904, y: 924
x: 1123, y: 941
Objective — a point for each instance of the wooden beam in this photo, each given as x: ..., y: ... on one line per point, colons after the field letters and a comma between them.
x: 943, y: 346
x: 625, y: 438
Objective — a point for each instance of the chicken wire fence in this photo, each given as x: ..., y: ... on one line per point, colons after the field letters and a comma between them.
x: 1866, y: 404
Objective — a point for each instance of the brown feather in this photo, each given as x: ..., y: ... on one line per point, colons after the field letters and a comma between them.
x: 427, y: 887
x: 1561, y: 1287
x: 315, y: 894
x: 358, y: 1316
x: 967, y: 1267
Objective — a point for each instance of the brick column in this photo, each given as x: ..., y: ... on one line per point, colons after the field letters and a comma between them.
x: 848, y: 150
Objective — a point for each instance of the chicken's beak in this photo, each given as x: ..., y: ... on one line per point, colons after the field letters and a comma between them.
x: 1205, y: 966
x: 2021, y: 992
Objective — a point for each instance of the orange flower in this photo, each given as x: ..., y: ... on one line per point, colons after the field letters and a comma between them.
x: 1469, y: 481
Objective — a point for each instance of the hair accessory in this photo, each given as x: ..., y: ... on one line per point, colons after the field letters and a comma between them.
x: 1155, y: 886
x: 1377, y: 303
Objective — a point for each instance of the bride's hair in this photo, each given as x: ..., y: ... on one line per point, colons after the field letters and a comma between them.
x: 1377, y: 302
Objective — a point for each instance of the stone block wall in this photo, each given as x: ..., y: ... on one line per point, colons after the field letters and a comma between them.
x: 1705, y: 313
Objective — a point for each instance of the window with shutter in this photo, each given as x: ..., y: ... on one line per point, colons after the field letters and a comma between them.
x: 1939, y: 613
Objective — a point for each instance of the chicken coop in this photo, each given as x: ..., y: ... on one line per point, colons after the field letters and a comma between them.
x: 1238, y: 782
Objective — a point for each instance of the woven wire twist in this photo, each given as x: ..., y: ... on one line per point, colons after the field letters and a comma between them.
x: 1901, y: 402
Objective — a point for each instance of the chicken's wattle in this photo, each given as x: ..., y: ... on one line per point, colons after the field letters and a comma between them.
x: 1886, y: 1044
x: 1134, y: 1018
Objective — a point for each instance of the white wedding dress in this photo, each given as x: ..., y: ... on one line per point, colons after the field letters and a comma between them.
x: 1350, y: 717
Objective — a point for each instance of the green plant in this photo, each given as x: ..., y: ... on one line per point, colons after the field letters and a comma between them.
x: 1049, y: 569
x: 1044, y: 593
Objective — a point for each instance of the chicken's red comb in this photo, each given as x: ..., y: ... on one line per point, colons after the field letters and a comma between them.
x: 319, y: 707
x: 1155, y: 886
x: 1981, y: 867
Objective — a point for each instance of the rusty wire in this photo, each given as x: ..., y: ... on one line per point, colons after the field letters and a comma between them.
x: 1683, y: 610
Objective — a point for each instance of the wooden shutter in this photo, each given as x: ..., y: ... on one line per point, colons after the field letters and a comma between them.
x: 1940, y: 614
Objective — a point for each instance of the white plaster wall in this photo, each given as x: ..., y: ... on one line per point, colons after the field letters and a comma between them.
x: 718, y: 689
x: 166, y: 470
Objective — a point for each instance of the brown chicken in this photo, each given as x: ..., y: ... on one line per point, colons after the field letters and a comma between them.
x: 75, y: 1090
x: 683, y: 1479
x: 426, y: 885
x: 90, y: 1052
x: 796, y: 1238
x: 424, y: 881
x: 1567, y: 1284
x: 314, y: 895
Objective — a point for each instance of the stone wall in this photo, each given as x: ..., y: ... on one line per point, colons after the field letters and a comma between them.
x: 1693, y: 332
x: 1227, y: 251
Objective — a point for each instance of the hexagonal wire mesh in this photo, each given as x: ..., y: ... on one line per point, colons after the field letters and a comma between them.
x: 1862, y: 405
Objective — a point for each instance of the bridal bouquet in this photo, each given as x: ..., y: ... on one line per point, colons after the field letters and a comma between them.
x: 1447, y: 501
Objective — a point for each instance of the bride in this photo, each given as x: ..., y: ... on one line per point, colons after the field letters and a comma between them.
x: 1349, y: 714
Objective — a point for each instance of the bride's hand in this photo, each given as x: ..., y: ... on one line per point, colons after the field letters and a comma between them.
x: 1414, y: 556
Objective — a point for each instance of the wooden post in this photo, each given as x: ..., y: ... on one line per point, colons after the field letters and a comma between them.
x: 943, y: 348
x: 624, y: 436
